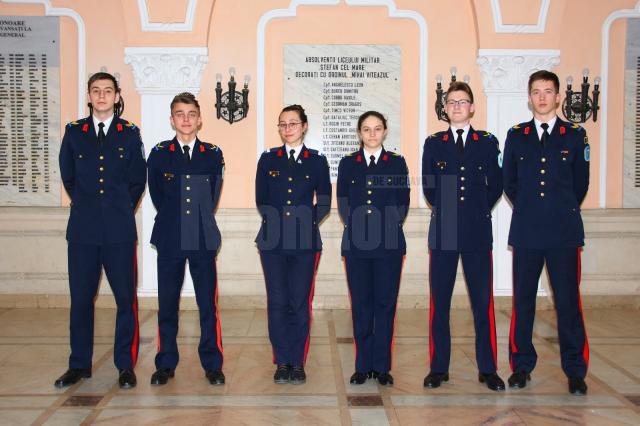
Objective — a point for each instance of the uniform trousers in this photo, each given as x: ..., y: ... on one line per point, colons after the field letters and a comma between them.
x: 373, y: 290
x: 477, y: 267
x: 85, y: 264
x: 290, y: 282
x: 563, y: 265
x: 205, y: 284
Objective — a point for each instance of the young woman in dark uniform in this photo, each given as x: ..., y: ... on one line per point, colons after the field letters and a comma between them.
x: 373, y: 200
x: 288, y: 178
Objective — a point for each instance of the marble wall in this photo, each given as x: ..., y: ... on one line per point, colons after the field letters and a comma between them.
x: 33, y: 261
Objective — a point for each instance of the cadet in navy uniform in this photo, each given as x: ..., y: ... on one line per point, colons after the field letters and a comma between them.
x: 546, y: 176
x: 462, y: 181
x: 373, y: 201
x: 289, y: 241
x: 103, y: 170
x: 185, y: 177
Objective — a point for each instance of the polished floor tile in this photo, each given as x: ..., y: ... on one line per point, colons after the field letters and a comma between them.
x: 34, y: 352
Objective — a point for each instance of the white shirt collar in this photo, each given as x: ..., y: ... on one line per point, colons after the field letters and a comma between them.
x: 106, y: 122
x: 465, y: 132
x: 191, y: 145
x: 551, y: 123
x: 296, y: 150
x: 375, y: 154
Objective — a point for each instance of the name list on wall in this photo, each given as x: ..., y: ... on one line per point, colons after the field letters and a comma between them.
x: 337, y: 83
x: 29, y: 111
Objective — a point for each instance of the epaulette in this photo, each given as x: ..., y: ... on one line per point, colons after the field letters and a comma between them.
x: 577, y: 127
x: 516, y: 127
x: 162, y: 145
x: 351, y: 154
x: 274, y: 149
x: 315, y: 152
x: 395, y: 154
x: 130, y: 125
x: 210, y: 146
x: 76, y: 122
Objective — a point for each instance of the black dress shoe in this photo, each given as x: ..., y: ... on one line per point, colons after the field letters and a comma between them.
x: 72, y: 376
x: 577, y: 386
x: 282, y: 374
x: 385, y: 379
x: 161, y: 376
x: 358, y: 378
x: 519, y: 379
x: 216, y: 377
x: 297, y: 376
x: 434, y: 380
x: 127, y: 379
x: 493, y: 381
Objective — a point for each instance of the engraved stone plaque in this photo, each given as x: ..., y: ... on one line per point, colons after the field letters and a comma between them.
x: 29, y: 111
x: 337, y: 83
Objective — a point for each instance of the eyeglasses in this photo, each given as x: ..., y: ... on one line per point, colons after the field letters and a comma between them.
x: 461, y: 102
x: 293, y: 125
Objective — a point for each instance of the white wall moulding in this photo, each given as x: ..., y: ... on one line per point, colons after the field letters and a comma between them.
x: 505, y: 75
x: 33, y: 257
x: 292, y: 11
x: 507, y: 71
x: 166, y: 27
x: 49, y: 10
x: 167, y: 69
x: 604, y: 89
x: 539, y: 27
x: 160, y: 73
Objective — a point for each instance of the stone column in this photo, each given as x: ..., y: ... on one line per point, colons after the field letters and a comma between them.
x: 505, y: 74
x: 160, y: 73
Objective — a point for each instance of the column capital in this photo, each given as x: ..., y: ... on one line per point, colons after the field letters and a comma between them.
x: 167, y: 70
x: 507, y: 71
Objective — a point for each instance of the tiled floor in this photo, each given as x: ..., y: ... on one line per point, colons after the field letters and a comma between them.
x: 34, y: 350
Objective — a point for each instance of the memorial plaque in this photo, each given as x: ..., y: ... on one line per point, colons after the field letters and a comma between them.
x: 337, y: 83
x: 29, y: 111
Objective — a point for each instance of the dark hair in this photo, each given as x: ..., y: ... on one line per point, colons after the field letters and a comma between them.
x: 546, y: 76
x: 118, y: 108
x: 185, y: 98
x: 298, y: 109
x: 459, y: 86
x: 368, y: 114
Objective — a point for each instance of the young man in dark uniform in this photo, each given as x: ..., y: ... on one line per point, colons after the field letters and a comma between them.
x: 103, y: 170
x: 462, y: 181
x: 185, y: 177
x: 293, y: 195
x: 546, y: 176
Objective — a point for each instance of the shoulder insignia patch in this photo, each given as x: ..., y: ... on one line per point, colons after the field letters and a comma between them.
x: 587, y: 153
x: 131, y: 125
x: 516, y: 127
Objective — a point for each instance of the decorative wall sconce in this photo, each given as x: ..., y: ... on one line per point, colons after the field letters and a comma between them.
x: 440, y: 93
x: 232, y: 105
x: 578, y: 107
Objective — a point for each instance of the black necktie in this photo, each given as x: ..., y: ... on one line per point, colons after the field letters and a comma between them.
x: 372, y: 161
x: 545, y: 133
x: 459, y: 143
x: 187, y: 157
x: 101, y: 135
x: 291, y: 157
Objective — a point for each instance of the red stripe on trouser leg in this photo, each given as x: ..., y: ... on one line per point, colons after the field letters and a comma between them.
x: 512, y: 328
x: 492, y: 316
x: 136, y: 335
x: 393, y: 327
x: 312, y: 290
x: 159, y: 340
x: 218, y: 324
x: 431, y: 343
x: 273, y: 351
x: 353, y: 325
x: 585, y: 349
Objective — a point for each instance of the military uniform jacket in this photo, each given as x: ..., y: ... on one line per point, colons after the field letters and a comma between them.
x: 373, y: 204
x: 546, y: 185
x: 285, y: 200
x: 104, y: 183
x: 461, y: 189
x: 185, y: 196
